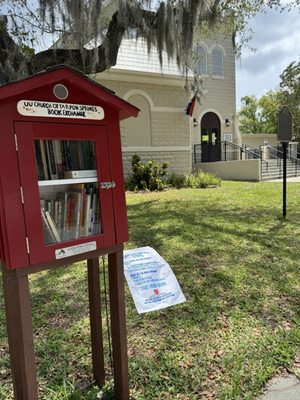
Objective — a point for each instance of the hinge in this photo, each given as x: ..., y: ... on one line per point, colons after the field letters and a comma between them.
x: 108, y: 185
x: 27, y: 245
x: 16, y: 142
x: 22, y: 194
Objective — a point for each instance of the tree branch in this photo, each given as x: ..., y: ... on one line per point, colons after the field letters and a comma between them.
x: 88, y: 61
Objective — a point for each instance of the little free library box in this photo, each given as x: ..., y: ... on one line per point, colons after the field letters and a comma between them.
x: 62, y: 200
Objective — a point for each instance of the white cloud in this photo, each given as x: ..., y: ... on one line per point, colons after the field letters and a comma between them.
x: 276, y: 38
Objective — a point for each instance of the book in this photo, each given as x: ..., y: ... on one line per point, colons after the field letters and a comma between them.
x: 87, y: 214
x: 65, y: 159
x: 91, y: 155
x: 44, y: 159
x: 39, y: 162
x: 93, y: 210
x: 51, y: 159
x: 48, y: 234
x: 82, y: 164
x: 96, y: 214
x: 52, y: 226
x: 49, y: 206
x: 88, y: 154
x: 58, y: 158
x: 81, y: 188
x: 85, y: 151
x: 75, y: 217
x: 74, y: 154
x: 66, y: 154
x: 87, y: 173
x: 71, y: 214
x: 62, y: 198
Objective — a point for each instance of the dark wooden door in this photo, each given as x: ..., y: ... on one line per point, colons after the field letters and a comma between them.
x: 210, y: 138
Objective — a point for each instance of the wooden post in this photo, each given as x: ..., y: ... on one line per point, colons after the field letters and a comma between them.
x: 20, y: 332
x: 96, y: 320
x: 20, y: 335
x: 118, y: 325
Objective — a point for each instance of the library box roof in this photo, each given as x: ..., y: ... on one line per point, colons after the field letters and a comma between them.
x: 66, y: 75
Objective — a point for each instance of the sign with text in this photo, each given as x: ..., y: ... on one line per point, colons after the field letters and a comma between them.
x: 285, y: 125
x: 74, y: 250
x: 38, y: 108
x: 228, y: 137
x: 151, y: 281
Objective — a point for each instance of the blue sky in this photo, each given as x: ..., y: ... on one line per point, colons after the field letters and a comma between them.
x: 277, y: 40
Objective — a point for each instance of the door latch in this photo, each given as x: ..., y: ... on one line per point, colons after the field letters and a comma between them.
x: 108, y: 185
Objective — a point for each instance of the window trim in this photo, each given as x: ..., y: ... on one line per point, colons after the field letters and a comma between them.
x: 206, y: 51
x: 222, y: 53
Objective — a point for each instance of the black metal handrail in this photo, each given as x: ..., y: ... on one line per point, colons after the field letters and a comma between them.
x: 289, y: 156
x: 274, y: 152
x: 242, y: 149
x: 249, y: 154
x: 277, y: 154
x: 228, y: 151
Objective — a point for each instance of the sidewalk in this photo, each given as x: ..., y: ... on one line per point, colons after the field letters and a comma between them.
x: 282, y: 388
x: 294, y: 179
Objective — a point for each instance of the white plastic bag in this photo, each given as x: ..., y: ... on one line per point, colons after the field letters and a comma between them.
x: 151, y: 280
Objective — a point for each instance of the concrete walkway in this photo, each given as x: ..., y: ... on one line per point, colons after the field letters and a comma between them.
x: 282, y: 388
x: 294, y: 179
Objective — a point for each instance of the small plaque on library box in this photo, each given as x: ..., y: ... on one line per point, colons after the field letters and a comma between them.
x: 59, y: 110
x: 284, y: 133
x: 74, y: 250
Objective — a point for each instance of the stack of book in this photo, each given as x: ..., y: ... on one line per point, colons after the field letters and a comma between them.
x: 72, y: 215
x: 55, y: 157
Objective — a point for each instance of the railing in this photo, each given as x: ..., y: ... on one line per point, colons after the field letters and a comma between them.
x: 272, y: 153
x: 275, y: 153
x: 292, y: 154
x: 233, y: 152
x: 225, y: 151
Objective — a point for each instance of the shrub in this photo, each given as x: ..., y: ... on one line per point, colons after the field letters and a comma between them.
x: 177, y: 181
x: 146, y: 176
x: 200, y: 179
x: 194, y: 179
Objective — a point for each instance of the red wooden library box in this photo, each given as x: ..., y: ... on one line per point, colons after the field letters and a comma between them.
x: 61, y: 175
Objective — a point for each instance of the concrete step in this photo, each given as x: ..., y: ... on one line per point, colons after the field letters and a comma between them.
x: 276, y: 176
x: 291, y: 172
x: 276, y: 169
x: 279, y: 169
x: 280, y: 163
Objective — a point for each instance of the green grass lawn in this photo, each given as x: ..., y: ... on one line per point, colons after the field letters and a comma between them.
x: 238, y: 264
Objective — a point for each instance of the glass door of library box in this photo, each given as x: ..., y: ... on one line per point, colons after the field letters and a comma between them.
x: 65, y: 176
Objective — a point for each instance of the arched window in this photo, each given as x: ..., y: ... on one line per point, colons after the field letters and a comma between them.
x: 200, y: 60
x: 139, y: 129
x: 217, y: 62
